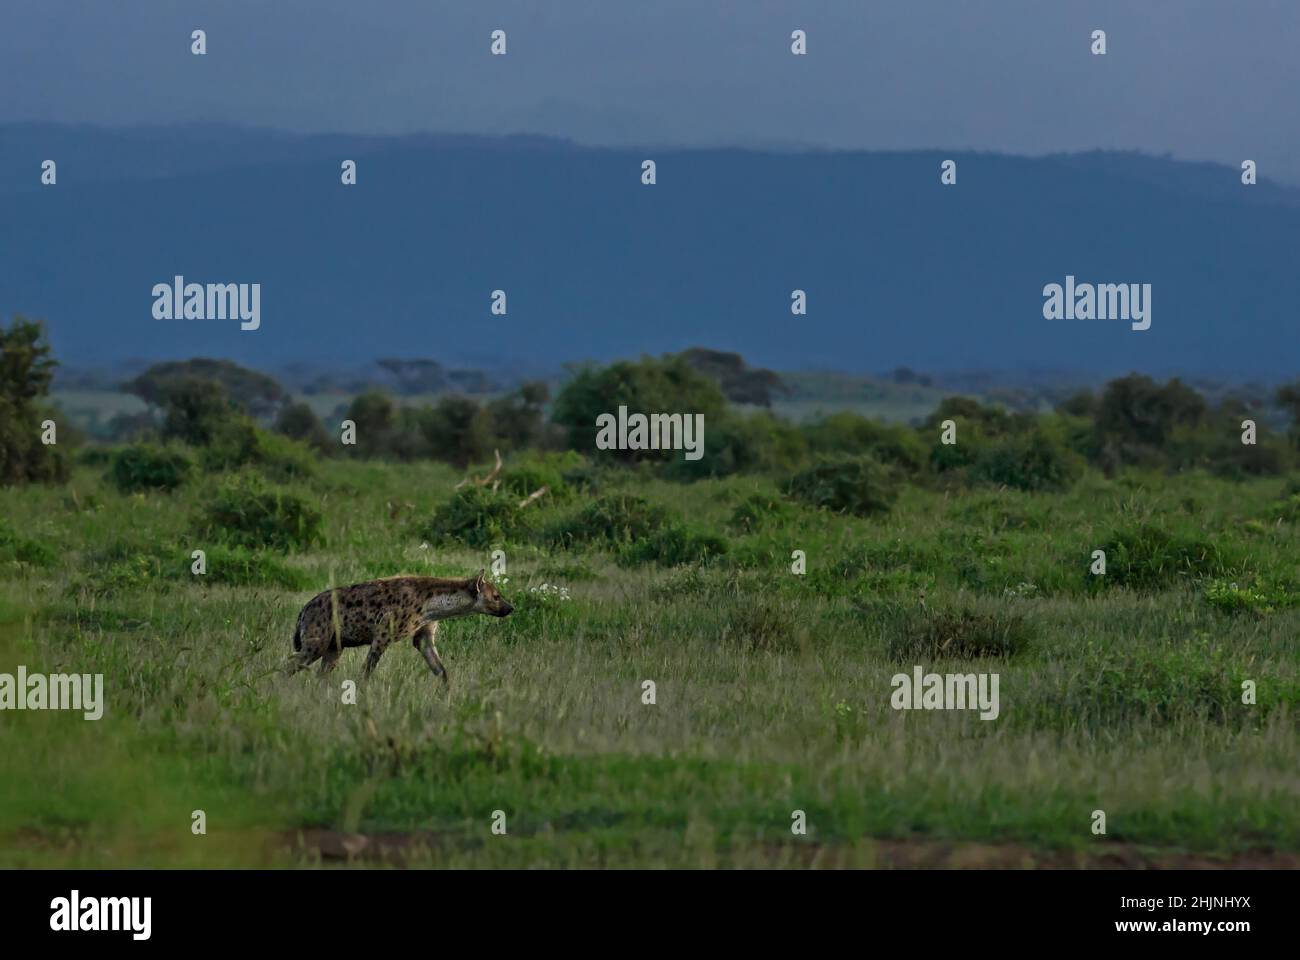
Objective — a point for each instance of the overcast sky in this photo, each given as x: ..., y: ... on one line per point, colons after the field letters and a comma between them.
x: 1198, y: 79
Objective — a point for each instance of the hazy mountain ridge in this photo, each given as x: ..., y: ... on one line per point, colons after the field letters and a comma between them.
x: 898, y: 269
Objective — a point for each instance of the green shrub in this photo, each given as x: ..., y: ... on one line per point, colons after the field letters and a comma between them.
x: 241, y: 567
x: 1147, y: 557
x: 1287, y: 509
x: 850, y: 433
x: 477, y: 516
x: 1165, y: 687
x: 248, y: 512
x: 525, y: 474
x: 857, y: 485
x: 1036, y: 460
x: 965, y: 634
x: 617, y: 518
x: 15, y: 548
x: 978, y: 426
x: 762, y: 626
x: 757, y: 511
x: 1269, y: 456
x: 238, y: 442
x: 147, y: 466
x: 672, y: 546
x: 1233, y: 599
x: 738, y: 443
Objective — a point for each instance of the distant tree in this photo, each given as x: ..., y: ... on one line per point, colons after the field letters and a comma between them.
x: 375, y: 417
x: 740, y: 383
x: 517, y: 419
x: 299, y: 421
x: 457, y: 431
x: 1288, y: 398
x: 1080, y: 404
x: 130, y: 427
x: 415, y: 376
x: 1136, y: 417
x: 649, y: 385
x: 906, y: 376
x: 989, y: 420
x: 469, y: 381
x: 26, y: 371
x: 194, y: 409
x: 252, y: 392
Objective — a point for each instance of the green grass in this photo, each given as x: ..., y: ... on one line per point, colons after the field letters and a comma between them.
x: 1118, y: 693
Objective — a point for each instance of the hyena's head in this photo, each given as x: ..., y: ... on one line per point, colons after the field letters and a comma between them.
x: 487, y: 599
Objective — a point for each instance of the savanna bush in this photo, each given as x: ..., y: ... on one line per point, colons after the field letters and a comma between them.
x: 850, y: 433
x: 477, y: 516
x: 674, y: 545
x: 978, y: 426
x: 759, y: 510
x: 16, y: 548
x: 247, y: 511
x: 739, y: 443
x: 242, y: 567
x: 965, y: 633
x: 1161, y: 687
x: 1035, y: 460
x: 529, y: 472
x: 1233, y: 598
x: 614, y: 518
x: 238, y: 442
x: 1269, y: 456
x: 856, y: 485
x: 1149, y: 557
x: 762, y: 626
x: 147, y: 466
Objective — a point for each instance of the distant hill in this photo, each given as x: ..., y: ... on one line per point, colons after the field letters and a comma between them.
x: 898, y: 269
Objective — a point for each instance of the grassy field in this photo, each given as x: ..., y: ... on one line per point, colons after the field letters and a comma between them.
x: 1120, y: 693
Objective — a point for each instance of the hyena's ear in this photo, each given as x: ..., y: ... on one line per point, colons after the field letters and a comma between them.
x: 478, y: 581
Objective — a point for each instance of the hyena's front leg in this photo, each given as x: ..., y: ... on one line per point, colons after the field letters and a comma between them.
x: 423, y: 641
x: 377, y: 648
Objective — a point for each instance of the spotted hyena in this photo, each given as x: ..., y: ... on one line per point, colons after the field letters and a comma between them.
x: 376, y: 613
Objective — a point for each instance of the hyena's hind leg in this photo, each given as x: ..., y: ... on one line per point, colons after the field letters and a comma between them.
x: 329, y: 659
x: 423, y: 641
x: 298, y: 661
x: 307, y: 649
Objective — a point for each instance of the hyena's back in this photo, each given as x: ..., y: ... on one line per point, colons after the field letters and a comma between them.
x: 351, y: 616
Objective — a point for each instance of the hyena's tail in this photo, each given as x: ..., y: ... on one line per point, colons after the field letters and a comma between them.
x: 297, y: 637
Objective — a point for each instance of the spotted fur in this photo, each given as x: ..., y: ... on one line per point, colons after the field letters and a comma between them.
x: 376, y: 613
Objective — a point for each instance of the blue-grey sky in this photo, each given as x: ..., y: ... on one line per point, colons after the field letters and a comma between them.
x: 1198, y: 79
